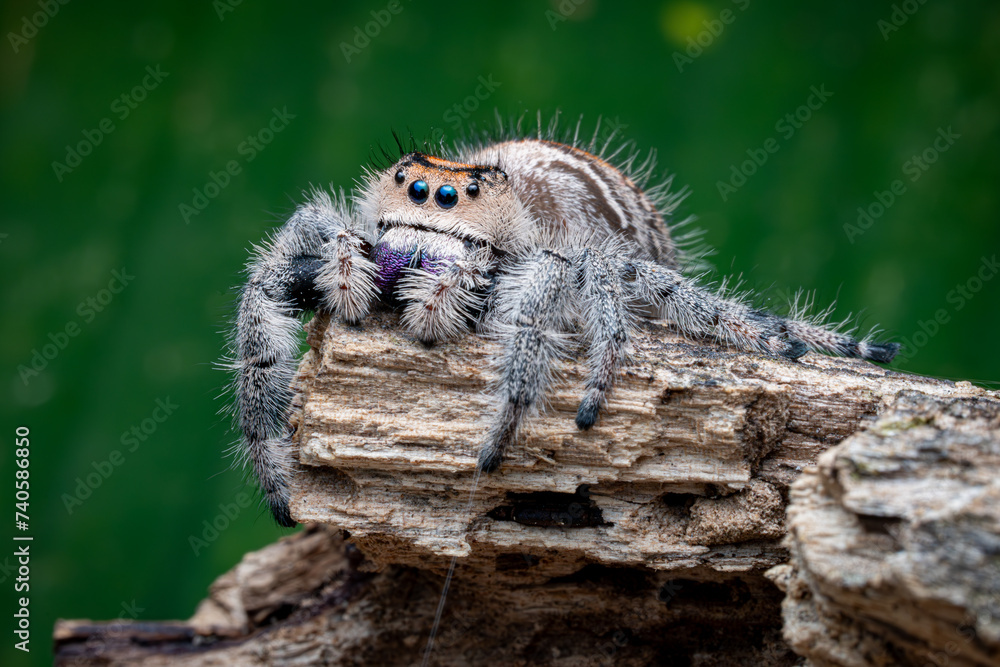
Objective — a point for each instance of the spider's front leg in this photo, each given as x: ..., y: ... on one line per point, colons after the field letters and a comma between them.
x: 314, y: 262
x: 533, y: 312
x: 346, y: 280
x: 439, y: 305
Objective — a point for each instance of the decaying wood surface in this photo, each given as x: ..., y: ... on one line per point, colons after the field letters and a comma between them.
x: 642, y: 541
x: 686, y: 468
x: 895, y: 541
x: 308, y: 600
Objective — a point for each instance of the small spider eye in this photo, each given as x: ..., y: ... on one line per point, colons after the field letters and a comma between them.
x: 400, y: 177
x: 447, y: 196
x: 419, y: 191
x: 472, y: 190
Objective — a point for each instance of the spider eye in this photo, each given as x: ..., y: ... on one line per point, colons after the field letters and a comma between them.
x: 400, y: 177
x: 472, y: 190
x: 419, y: 191
x: 447, y: 196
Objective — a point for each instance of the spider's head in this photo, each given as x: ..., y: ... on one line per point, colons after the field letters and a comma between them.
x: 429, y: 194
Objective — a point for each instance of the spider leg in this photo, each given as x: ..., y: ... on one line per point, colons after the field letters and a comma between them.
x: 439, y: 306
x: 347, y: 278
x: 822, y: 339
x: 533, y: 312
x: 303, y: 267
x: 698, y: 311
x: 608, y: 320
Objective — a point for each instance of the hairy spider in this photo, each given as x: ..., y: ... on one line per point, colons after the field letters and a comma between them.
x: 528, y: 239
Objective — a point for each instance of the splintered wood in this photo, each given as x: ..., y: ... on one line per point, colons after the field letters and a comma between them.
x: 895, y: 541
x: 656, y: 538
x: 686, y: 467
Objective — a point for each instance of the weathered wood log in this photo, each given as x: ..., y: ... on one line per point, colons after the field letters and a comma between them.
x: 895, y: 541
x: 686, y: 468
x: 642, y: 541
x: 307, y: 600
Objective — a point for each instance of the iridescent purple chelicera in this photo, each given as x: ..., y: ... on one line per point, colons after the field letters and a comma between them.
x: 393, y: 261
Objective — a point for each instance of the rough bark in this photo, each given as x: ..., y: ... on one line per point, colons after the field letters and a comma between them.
x: 642, y: 541
x: 895, y: 541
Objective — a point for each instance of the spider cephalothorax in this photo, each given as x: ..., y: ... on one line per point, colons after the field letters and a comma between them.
x: 527, y: 239
x: 441, y: 230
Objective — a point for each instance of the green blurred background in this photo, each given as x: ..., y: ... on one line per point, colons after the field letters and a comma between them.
x: 229, y: 66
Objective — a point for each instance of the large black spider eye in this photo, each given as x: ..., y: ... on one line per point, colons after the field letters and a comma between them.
x: 447, y: 196
x: 419, y: 191
x: 472, y: 190
x: 400, y: 177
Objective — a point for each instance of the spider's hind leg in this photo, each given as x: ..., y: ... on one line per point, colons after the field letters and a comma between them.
x: 821, y: 339
x: 698, y: 311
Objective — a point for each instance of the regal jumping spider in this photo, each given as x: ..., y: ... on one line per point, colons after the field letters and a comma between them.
x: 526, y: 238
